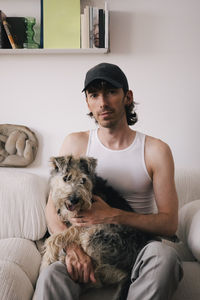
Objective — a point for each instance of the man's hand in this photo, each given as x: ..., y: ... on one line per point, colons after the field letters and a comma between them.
x: 79, y: 265
x: 100, y: 213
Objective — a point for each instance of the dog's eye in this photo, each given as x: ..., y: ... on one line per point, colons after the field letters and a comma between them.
x: 83, y: 180
x: 67, y: 178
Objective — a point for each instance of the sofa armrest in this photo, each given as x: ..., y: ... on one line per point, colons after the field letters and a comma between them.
x: 189, y: 225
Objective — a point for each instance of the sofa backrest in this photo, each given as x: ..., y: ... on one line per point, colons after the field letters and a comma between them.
x: 187, y: 185
x: 22, y: 204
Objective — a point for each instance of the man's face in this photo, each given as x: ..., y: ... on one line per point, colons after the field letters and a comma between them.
x: 107, y: 106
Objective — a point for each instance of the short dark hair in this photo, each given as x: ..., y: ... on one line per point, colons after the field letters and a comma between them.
x: 98, y: 85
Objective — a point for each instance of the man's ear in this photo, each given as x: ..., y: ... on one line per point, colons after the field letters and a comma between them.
x: 129, y: 98
x: 86, y: 99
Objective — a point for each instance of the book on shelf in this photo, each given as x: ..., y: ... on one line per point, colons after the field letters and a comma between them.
x: 41, y: 24
x: 61, y: 23
x: 9, y: 34
x: 95, y: 27
x: 107, y: 25
x: 83, y: 30
x: 101, y: 29
x: 85, y: 39
x: 18, y: 30
x: 4, y: 41
x: 91, y: 27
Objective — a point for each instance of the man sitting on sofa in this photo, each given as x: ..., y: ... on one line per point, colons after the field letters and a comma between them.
x: 141, y: 168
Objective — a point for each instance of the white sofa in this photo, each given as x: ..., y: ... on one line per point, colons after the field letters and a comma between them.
x: 22, y: 224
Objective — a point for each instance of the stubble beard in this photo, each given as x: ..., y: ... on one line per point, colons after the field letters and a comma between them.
x: 113, y: 122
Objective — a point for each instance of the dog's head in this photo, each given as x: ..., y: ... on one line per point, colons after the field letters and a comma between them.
x: 72, y: 183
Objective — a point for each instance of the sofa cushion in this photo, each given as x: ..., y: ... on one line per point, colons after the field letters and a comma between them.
x: 19, y: 267
x: 14, y: 284
x: 22, y: 203
x: 187, y: 185
x: 189, y: 225
x: 23, y: 253
x: 188, y: 288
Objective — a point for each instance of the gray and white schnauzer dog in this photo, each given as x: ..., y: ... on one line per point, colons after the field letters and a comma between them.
x: 112, y: 248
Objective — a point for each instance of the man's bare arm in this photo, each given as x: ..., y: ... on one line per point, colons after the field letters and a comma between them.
x: 53, y: 221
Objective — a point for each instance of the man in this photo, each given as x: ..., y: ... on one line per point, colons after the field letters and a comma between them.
x: 141, y: 168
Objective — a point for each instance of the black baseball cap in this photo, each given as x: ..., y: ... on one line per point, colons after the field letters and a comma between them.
x: 108, y: 72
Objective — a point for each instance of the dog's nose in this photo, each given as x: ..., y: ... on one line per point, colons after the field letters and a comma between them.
x: 73, y: 199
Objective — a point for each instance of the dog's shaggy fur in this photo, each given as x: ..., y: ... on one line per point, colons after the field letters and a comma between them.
x: 112, y: 248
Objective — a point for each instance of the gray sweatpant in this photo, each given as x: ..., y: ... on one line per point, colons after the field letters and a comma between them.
x: 155, y: 275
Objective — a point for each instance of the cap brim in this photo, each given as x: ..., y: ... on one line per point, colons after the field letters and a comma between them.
x: 113, y: 82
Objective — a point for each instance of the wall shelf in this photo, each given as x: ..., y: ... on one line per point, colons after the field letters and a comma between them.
x: 55, y: 51
x: 34, y: 11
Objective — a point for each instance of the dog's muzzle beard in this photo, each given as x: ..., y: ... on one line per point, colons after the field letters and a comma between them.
x: 72, y: 203
x: 78, y: 202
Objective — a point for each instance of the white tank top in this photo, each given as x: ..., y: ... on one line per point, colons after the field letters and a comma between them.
x: 125, y: 170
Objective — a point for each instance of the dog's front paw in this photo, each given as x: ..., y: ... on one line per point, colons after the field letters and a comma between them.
x: 53, y: 246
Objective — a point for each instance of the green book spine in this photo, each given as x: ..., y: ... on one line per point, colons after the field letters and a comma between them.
x: 61, y: 21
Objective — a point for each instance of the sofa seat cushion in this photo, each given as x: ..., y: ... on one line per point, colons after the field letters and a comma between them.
x: 183, y: 252
x: 22, y: 203
x: 189, y: 226
x: 20, y: 254
x: 188, y: 288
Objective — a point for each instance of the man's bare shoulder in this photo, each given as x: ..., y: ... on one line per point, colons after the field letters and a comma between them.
x: 157, y: 153
x: 75, y: 143
x: 156, y: 145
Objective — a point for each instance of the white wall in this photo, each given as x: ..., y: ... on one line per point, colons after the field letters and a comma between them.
x: 155, y: 42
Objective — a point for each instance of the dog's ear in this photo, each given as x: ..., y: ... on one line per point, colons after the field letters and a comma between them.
x: 88, y: 165
x: 60, y: 164
x: 68, y: 163
x: 57, y: 164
